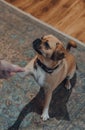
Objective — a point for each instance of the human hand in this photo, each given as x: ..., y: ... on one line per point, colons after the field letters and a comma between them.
x: 7, y: 69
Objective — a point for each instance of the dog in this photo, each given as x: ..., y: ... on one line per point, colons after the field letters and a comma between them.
x: 52, y: 64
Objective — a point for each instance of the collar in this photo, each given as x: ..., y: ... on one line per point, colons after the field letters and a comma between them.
x: 45, y: 68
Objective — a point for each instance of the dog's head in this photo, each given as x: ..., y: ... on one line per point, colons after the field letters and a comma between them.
x: 49, y: 47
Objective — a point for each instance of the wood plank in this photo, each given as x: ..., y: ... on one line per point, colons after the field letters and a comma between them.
x: 65, y: 15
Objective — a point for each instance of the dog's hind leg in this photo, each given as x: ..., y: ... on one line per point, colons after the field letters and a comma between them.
x: 68, y: 84
x: 70, y: 76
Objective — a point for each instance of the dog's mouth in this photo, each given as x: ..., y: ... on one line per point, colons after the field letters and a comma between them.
x: 38, y: 51
x: 37, y: 47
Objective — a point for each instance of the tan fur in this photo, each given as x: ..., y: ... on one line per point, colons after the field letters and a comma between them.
x: 67, y: 68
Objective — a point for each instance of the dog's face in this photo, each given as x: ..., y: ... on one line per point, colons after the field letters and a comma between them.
x: 49, y: 47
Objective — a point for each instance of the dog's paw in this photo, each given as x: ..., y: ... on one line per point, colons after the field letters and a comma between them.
x: 68, y: 86
x: 45, y: 116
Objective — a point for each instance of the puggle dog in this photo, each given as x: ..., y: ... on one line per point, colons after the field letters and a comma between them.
x: 52, y: 64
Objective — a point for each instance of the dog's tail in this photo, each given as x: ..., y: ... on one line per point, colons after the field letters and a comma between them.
x: 71, y: 44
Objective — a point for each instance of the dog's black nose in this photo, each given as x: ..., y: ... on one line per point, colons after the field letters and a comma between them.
x: 36, y: 46
x: 36, y: 43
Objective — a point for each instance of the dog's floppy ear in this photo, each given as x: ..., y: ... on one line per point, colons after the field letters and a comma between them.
x: 58, y: 55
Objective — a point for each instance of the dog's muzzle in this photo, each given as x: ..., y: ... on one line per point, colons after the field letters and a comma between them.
x: 36, y: 45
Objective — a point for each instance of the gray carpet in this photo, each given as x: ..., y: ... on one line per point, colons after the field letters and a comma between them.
x: 17, y: 31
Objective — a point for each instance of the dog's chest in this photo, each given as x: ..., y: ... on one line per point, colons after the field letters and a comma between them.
x: 39, y: 75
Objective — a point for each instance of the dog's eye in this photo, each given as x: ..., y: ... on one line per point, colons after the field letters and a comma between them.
x: 41, y: 38
x: 47, y: 45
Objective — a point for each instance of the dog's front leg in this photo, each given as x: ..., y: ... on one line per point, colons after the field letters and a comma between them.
x: 29, y: 69
x: 48, y: 95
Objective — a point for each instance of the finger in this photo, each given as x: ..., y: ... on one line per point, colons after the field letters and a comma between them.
x: 15, y: 68
x: 11, y: 74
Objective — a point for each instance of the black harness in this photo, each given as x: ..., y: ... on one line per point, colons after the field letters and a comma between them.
x: 45, y: 68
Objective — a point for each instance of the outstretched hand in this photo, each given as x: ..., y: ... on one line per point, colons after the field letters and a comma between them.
x: 7, y: 69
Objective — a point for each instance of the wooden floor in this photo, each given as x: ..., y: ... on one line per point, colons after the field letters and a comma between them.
x: 65, y: 15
